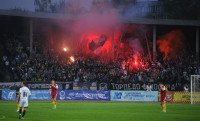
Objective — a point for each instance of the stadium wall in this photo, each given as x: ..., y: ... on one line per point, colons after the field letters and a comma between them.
x: 138, y: 86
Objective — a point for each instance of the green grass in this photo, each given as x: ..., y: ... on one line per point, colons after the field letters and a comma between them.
x: 101, y: 111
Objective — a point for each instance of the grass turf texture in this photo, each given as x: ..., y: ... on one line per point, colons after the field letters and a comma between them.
x: 101, y: 111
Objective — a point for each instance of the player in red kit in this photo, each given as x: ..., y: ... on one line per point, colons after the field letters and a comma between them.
x: 53, y: 89
x: 162, y: 95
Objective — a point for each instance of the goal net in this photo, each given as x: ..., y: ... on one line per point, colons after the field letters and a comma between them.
x: 195, y: 89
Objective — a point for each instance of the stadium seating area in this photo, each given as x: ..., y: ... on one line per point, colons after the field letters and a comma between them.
x: 45, y: 64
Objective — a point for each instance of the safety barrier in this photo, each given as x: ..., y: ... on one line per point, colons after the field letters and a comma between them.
x: 185, y: 97
x: 139, y: 96
x: 61, y: 95
x: 113, y: 95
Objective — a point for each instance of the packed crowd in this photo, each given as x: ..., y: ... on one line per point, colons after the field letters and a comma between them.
x: 44, y: 65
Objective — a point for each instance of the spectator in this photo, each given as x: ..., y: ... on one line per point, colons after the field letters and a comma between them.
x: 149, y: 87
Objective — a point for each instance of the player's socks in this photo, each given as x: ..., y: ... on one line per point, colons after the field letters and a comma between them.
x: 20, y: 116
x: 24, y: 112
x: 17, y: 106
x: 54, y: 103
x: 164, y: 107
x: 20, y: 111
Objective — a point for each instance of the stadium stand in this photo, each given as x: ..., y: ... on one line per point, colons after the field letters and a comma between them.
x: 18, y: 65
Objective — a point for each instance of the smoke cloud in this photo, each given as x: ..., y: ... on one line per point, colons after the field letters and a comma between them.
x: 171, y: 43
x: 91, y: 20
x: 88, y: 20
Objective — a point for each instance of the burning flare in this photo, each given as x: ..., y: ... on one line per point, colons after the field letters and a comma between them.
x: 72, y: 59
x: 65, y: 49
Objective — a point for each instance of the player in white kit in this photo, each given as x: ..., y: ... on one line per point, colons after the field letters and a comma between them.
x: 24, y: 94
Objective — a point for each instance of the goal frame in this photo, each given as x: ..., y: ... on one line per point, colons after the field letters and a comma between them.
x: 193, y: 77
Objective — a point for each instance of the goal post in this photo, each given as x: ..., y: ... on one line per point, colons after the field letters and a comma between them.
x: 195, y: 89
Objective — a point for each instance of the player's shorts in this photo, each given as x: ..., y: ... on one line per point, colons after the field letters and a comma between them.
x: 23, y: 103
x: 163, y: 99
x: 53, y: 96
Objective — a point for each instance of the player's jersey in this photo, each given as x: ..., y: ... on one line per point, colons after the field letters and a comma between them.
x: 53, y: 90
x: 163, y: 92
x: 24, y: 93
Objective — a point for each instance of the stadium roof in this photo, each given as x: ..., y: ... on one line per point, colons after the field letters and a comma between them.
x: 123, y: 20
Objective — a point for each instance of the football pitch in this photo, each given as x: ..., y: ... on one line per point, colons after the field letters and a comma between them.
x: 100, y: 111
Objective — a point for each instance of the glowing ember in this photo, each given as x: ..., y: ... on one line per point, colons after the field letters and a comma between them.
x: 135, y: 62
x: 72, y: 59
x: 65, y: 49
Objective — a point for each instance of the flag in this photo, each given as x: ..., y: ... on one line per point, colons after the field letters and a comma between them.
x: 97, y: 42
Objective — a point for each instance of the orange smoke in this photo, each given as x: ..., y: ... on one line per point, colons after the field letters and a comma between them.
x: 171, y: 43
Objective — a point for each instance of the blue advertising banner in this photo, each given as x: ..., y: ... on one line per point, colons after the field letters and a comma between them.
x: 144, y: 96
x: 83, y: 95
x: 61, y: 95
x: 40, y: 95
x: 35, y: 95
x: 8, y: 95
